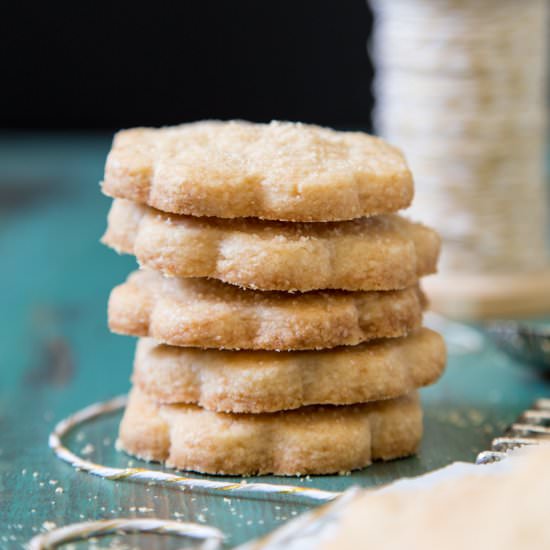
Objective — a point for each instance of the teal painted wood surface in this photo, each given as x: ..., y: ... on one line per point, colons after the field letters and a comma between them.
x: 56, y: 356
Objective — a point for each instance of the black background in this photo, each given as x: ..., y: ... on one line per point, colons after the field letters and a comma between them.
x: 105, y: 66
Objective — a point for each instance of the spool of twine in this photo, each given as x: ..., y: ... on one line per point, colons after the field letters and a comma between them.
x: 461, y: 87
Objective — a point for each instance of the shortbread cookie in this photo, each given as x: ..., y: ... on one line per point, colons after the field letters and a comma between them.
x: 278, y: 171
x: 312, y: 440
x: 268, y: 381
x: 377, y: 253
x: 209, y: 314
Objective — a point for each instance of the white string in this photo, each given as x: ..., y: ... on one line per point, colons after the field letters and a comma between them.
x: 461, y: 87
x: 88, y: 529
x: 153, y: 476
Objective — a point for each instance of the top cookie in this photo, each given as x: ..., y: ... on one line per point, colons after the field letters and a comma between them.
x: 278, y: 171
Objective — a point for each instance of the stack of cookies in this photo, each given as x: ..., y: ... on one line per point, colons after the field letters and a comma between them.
x: 277, y: 304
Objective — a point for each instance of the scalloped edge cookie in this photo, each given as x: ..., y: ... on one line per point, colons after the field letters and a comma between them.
x: 264, y: 381
x: 377, y: 253
x: 311, y: 440
x: 281, y: 171
x: 206, y: 313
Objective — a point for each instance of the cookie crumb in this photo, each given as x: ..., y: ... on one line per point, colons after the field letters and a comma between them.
x: 88, y: 449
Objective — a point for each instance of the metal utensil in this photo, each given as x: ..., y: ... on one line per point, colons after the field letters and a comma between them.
x: 525, y: 340
x: 531, y: 428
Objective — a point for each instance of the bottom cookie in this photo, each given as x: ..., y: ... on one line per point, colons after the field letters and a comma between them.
x: 310, y: 440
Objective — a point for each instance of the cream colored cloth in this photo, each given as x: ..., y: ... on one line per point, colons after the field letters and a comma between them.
x: 502, y: 506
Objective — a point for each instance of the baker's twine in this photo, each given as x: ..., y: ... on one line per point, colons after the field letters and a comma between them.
x: 461, y: 87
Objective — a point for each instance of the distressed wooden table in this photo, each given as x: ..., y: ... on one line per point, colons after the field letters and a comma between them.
x: 57, y: 356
